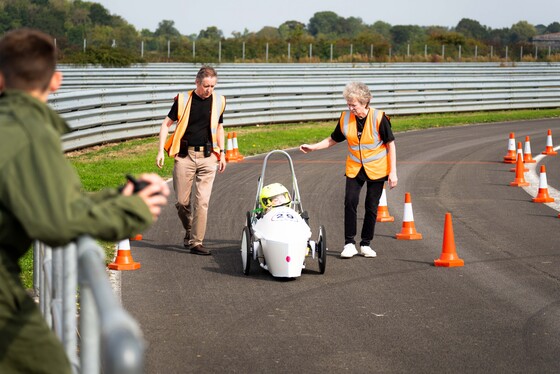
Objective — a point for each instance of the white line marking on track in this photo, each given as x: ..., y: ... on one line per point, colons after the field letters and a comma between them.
x: 532, y: 176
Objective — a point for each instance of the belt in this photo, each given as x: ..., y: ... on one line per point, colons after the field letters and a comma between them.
x: 196, y: 148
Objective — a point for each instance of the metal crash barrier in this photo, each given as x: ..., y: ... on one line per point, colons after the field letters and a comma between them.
x: 78, y: 303
x: 105, y: 105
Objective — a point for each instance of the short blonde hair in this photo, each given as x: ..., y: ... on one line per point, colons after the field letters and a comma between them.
x: 357, y: 91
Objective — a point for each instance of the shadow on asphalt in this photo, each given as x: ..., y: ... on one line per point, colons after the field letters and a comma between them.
x: 431, y: 263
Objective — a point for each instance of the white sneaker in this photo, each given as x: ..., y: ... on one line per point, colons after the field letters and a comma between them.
x: 367, y: 251
x: 349, y: 251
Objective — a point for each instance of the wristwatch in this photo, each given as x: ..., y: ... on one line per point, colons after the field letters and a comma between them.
x: 222, y: 151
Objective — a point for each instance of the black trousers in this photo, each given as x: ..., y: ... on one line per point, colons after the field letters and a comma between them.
x: 351, y: 200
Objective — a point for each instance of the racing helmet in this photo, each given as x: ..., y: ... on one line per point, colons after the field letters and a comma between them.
x: 273, y: 195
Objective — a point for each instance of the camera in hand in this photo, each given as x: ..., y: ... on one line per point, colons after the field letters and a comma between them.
x: 138, y: 185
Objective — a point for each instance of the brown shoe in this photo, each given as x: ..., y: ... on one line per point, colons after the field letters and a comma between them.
x: 200, y: 250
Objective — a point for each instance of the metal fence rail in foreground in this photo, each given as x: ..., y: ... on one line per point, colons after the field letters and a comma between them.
x: 311, y: 94
x: 110, y: 340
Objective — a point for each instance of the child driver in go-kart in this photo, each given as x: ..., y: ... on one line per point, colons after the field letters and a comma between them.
x: 273, y: 196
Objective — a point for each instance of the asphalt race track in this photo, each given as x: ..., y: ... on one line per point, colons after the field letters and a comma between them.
x: 397, y: 313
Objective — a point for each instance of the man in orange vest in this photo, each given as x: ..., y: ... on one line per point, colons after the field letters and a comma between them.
x: 197, y: 146
x: 371, y: 160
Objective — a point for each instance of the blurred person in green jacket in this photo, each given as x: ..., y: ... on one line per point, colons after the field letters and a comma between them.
x: 41, y: 198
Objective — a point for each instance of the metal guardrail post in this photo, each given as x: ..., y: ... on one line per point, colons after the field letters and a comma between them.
x: 111, y: 341
x: 89, y: 326
x: 121, y: 339
x: 36, y: 267
x: 57, y: 291
x: 69, y: 307
x: 46, y: 282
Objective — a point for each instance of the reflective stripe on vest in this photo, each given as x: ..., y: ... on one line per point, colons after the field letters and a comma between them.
x: 220, y: 104
x: 218, y: 101
x: 358, y: 148
x: 376, y: 140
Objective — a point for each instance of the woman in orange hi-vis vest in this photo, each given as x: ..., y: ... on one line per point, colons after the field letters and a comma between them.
x: 371, y: 160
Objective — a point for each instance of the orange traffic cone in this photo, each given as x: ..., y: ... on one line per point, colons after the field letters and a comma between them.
x: 448, y: 256
x: 382, y: 209
x: 543, y: 196
x: 520, y: 154
x: 527, y: 157
x: 230, y: 156
x: 136, y: 237
x: 549, y: 150
x: 510, y: 156
x: 236, y: 153
x: 124, y: 260
x: 408, y: 231
x: 519, y: 180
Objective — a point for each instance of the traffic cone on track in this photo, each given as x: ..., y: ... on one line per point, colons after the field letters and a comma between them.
x: 542, y: 195
x: 238, y: 156
x: 527, y: 157
x: 230, y: 156
x: 382, y: 209
x: 549, y: 150
x: 136, y: 237
x: 124, y: 260
x: 519, y: 180
x: 448, y: 256
x: 520, y: 154
x: 408, y: 231
x: 510, y: 156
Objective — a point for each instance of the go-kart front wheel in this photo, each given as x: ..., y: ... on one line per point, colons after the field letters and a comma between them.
x: 248, y: 222
x: 246, y: 250
x: 321, y: 248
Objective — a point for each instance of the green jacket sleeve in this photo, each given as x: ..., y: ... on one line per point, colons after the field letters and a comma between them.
x: 43, y: 191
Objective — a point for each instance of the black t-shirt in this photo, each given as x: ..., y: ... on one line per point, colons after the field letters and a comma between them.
x: 198, y: 131
x: 385, y: 132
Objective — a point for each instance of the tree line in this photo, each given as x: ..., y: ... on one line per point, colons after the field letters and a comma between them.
x: 86, y: 33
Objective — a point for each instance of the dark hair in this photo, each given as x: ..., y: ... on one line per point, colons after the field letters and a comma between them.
x: 27, y: 59
x: 205, y: 72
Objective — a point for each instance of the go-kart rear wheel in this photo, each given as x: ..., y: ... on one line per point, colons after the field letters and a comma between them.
x: 321, y: 246
x: 246, y: 250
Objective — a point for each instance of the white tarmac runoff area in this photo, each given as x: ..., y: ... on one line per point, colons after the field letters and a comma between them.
x: 533, y: 177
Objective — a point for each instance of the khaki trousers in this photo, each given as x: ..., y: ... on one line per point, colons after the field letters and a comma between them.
x: 193, y: 178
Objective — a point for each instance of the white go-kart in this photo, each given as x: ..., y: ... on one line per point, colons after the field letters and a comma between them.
x: 277, y: 234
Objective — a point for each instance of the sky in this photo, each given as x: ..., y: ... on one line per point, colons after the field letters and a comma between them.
x: 229, y: 16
